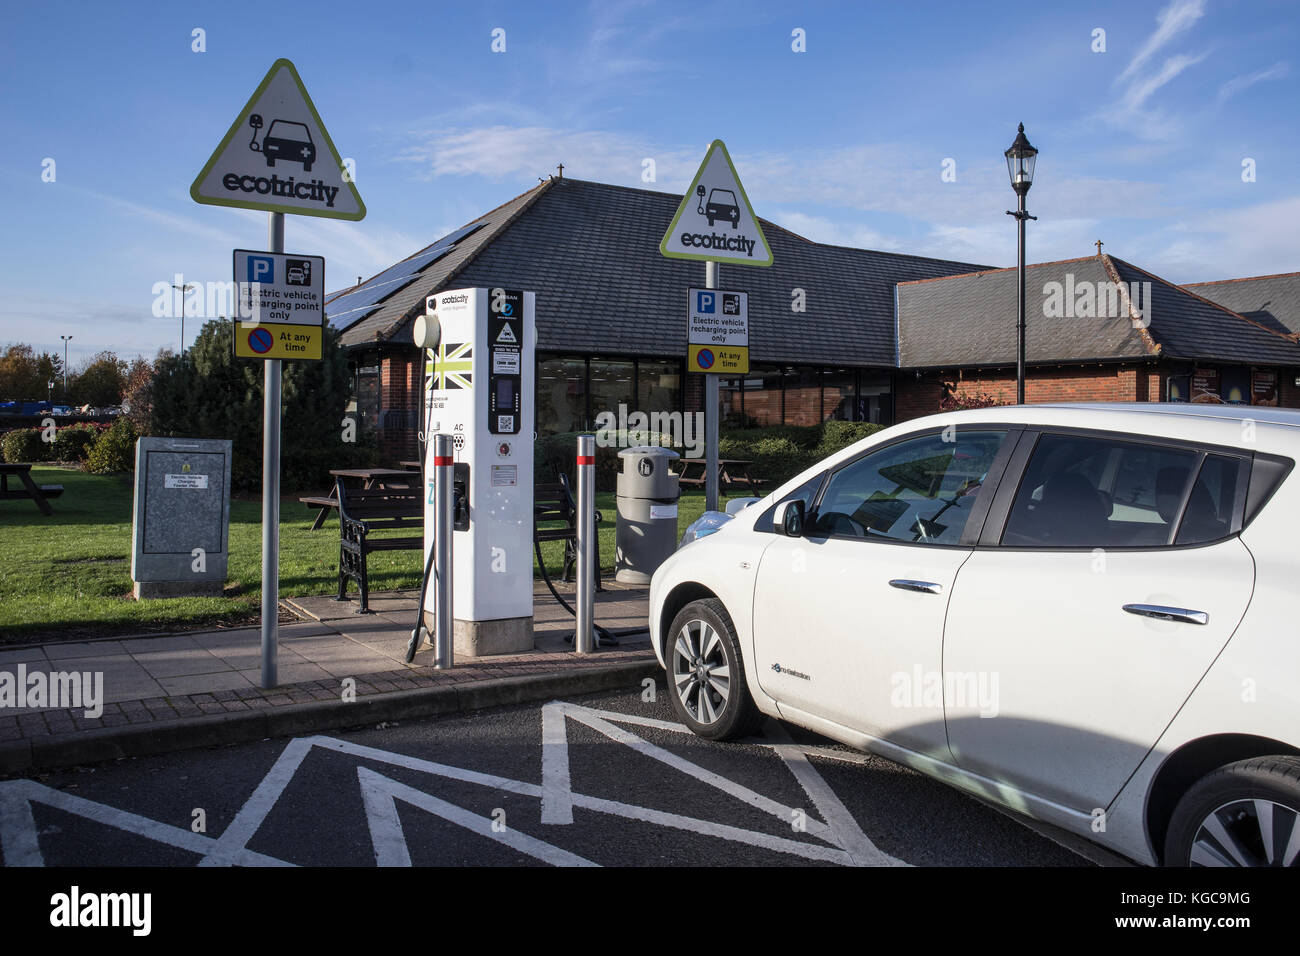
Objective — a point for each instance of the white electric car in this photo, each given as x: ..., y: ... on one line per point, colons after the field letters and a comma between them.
x: 1087, y: 613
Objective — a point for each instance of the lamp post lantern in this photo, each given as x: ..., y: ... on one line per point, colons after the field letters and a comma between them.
x: 1020, y: 165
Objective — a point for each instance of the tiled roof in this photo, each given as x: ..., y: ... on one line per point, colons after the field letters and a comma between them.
x: 379, y: 326
x: 970, y: 320
x: 591, y: 253
x: 1272, y: 301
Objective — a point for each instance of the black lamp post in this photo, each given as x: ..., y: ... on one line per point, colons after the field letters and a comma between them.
x: 1020, y: 165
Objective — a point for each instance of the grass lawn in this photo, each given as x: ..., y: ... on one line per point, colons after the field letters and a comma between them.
x: 70, y: 575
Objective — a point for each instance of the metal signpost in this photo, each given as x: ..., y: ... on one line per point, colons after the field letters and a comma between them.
x: 280, y: 124
x: 715, y: 223
x: 584, y: 638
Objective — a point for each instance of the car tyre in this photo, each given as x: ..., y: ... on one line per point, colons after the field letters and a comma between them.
x: 1244, y: 814
x: 706, y: 675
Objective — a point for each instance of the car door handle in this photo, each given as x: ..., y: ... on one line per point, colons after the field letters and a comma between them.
x: 925, y: 587
x: 1162, y: 613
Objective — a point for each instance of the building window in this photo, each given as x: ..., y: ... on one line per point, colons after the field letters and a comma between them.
x: 803, y: 396
x: 875, y: 398
x: 561, y: 395
x: 763, y: 396
x: 365, y: 392
x: 731, y: 402
x: 840, y: 395
x: 659, y: 385
x: 1234, y: 386
x: 612, y: 385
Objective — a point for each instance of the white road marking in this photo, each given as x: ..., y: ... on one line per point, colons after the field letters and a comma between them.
x: 848, y: 844
x: 381, y: 793
x: 557, y: 791
x: 18, y: 830
x: 844, y: 828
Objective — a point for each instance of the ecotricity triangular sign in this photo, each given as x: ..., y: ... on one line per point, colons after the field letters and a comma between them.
x: 277, y: 156
x: 715, y: 222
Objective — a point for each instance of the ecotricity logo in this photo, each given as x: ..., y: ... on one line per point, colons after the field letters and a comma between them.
x: 314, y: 190
x: 718, y: 240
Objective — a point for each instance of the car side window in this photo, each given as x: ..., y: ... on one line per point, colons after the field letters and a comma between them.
x: 806, y: 492
x: 1087, y: 492
x: 919, y: 490
x: 1208, y: 516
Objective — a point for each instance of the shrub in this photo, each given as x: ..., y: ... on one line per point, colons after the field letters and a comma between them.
x: 957, y: 401
x: 73, y: 442
x: 779, y: 453
x: 554, y: 455
x: 26, y: 444
x: 208, y: 393
x: 114, y: 450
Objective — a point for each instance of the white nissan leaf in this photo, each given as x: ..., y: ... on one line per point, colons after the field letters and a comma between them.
x: 1086, y: 613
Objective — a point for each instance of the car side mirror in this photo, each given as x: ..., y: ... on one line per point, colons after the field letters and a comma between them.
x: 788, y: 519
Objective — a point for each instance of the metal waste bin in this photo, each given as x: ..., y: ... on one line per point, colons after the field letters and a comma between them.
x: 646, y: 531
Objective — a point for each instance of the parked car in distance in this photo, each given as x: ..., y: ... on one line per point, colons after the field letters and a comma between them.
x: 1085, y: 613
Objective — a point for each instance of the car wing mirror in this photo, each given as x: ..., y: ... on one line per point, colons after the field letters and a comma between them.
x: 788, y: 519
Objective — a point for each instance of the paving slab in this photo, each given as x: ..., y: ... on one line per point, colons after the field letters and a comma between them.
x: 176, y: 691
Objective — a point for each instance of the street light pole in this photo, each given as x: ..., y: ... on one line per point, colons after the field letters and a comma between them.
x: 1021, y: 157
x: 183, y: 289
x: 66, y: 339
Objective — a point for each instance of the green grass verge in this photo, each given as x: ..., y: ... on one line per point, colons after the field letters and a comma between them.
x: 69, y: 575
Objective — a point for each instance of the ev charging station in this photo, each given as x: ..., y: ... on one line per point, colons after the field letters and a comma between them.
x: 478, y: 389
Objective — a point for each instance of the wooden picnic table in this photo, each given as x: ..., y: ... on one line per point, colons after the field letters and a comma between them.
x: 40, y: 494
x: 732, y: 472
x: 367, y: 479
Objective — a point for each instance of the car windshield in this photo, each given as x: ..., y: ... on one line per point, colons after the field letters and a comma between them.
x: 723, y: 196
x: 282, y: 129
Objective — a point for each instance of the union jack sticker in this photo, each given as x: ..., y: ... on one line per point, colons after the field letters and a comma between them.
x: 450, y: 366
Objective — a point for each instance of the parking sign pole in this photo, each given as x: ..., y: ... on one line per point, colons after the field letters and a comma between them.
x: 584, y: 639
x: 271, y: 493
x: 711, y: 414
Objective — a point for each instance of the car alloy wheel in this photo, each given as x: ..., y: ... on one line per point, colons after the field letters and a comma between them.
x: 701, y: 672
x: 1250, y: 832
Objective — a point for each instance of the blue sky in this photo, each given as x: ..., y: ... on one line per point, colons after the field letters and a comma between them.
x: 1141, y: 145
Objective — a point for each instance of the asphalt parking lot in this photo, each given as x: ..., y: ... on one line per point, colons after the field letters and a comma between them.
x: 606, y: 779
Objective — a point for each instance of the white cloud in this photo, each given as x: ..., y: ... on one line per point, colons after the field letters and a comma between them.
x: 1140, y: 91
x: 1174, y: 19
x: 1239, y: 83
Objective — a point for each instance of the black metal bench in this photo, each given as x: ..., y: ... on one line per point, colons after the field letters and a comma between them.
x: 553, y: 505
x: 363, y: 511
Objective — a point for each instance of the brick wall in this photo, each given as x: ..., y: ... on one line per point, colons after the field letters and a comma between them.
x: 1125, y: 383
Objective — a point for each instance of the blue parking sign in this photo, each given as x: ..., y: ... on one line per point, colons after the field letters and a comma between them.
x: 261, y: 269
x: 706, y: 300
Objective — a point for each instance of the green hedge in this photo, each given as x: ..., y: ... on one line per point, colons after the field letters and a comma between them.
x: 73, y: 442
x: 26, y: 444
x: 777, y: 453
x: 554, y: 455
x: 781, y: 452
x: 114, y: 451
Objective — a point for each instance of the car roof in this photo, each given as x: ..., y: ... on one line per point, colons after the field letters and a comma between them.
x: 1244, y: 427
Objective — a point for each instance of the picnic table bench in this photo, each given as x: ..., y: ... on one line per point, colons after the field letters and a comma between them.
x: 363, y: 511
x: 369, y: 478
x: 732, y: 473
x: 40, y: 494
x: 553, y: 503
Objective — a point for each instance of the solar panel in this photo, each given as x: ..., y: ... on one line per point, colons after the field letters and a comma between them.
x: 346, y: 309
